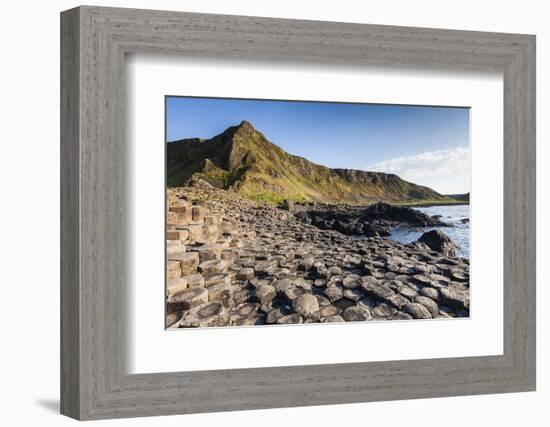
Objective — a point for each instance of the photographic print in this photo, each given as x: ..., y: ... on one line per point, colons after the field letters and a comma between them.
x: 291, y: 212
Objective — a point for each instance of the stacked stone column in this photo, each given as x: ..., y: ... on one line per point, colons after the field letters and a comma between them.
x: 201, y: 248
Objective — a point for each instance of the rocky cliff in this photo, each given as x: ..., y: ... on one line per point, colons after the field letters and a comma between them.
x: 244, y: 160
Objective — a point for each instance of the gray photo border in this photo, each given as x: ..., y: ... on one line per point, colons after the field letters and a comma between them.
x: 94, y: 42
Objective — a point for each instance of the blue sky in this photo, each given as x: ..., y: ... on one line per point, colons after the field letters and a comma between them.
x: 425, y: 145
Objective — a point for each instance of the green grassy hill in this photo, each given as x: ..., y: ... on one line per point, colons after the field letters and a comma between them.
x: 242, y: 159
x: 465, y: 198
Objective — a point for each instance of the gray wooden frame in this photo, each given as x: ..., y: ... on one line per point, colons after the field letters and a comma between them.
x: 94, y: 41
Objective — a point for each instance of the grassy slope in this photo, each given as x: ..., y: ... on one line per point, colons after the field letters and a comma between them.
x: 464, y: 198
x: 243, y: 159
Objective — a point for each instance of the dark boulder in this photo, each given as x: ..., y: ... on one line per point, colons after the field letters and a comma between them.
x: 320, y: 222
x: 371, y: 221
x: 438, y: 241
x: 373, y: 230
x: 401, y: 215
x: 455, y: 297
x: 348, y: 228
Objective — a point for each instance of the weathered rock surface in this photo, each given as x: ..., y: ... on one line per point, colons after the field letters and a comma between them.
x: 356, y: 314
x: 428, y: 303
x: 417, y: 311
x: 371, y: 221
x: 234, y: 262
x: 245, y: 273
x: 210, y: 314
x: 265, y: 293
x: 188, y: 262
x: 307, y: 306
x: 290, y: 319
x: 212, y: 267
x: 222, y: 293
x: 438, y: 241
x: 189, y: 298
x: 333, y: 319
x: 454, y: 297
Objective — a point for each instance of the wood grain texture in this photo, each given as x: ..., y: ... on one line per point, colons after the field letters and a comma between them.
x: 94, y: 238
x: 70, y: 219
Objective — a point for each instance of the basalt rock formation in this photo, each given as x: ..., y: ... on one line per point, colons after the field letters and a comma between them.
x: 371, y: 221
x: 234, y: 262
x: 438, y: 241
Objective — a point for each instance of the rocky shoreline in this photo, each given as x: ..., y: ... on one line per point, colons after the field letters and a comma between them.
x: 234, y: 262
x: 375, y: 220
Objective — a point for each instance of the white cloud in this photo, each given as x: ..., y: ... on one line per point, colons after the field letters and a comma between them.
x: 446, y: 171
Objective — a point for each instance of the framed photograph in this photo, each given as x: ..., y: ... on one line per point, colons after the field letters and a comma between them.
x: 259, y: 236
x: 262, y: 213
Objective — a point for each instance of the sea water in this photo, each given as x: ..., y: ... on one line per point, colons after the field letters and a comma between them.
x: 456, y: 215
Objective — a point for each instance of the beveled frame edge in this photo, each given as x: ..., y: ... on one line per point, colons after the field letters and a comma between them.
x: 94, y: 41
